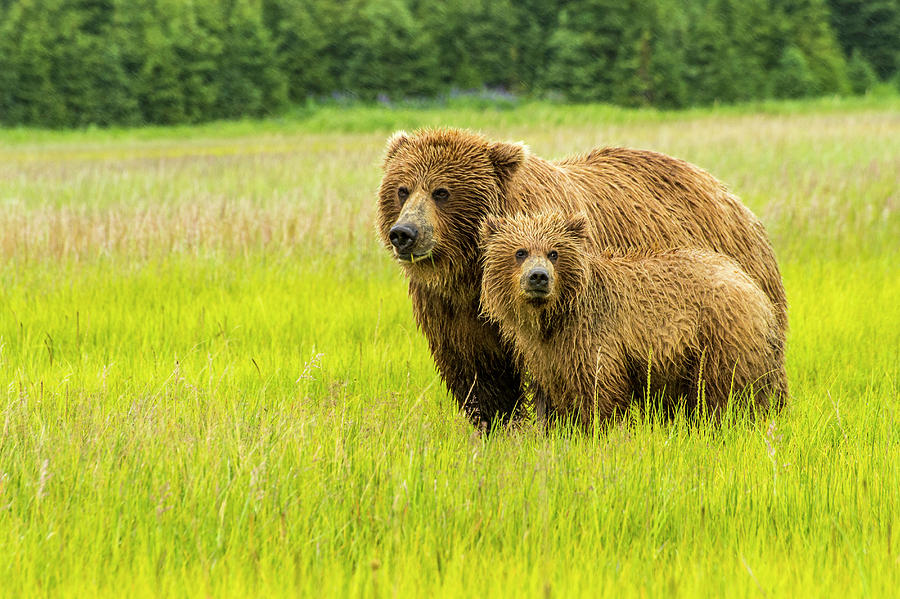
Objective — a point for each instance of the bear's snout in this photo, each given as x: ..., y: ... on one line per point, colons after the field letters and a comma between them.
x: 412, y: 235
x: 403, y: 237
x: 537, y: 280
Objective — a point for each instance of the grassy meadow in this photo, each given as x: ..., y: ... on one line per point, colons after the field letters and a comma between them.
x: 212, y: 384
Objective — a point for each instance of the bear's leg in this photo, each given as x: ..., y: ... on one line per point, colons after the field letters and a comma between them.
x: 485, y: 384
x: 777, y: 375
x: 607, y: 398
x: 541, y: 402
x: 710, y: 379
x: 596, y: 392
x: 728, y: 372
x: 779, y: 387
x: 477, y: 367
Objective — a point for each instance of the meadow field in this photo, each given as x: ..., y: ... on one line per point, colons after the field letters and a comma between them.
x: 213, y: 384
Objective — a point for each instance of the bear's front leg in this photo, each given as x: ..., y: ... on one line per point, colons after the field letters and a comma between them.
x: 604, y: 394
x: 543, y: 407
x: 484, y: 382
x: 477, y: 367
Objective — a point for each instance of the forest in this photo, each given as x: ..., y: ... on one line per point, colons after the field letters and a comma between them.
x: 75, y: 63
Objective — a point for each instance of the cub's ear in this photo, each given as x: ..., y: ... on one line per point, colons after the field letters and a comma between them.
x: 394, y: 144
x: 506, y: 157
x: 577, y: 224
x: 489, y: 226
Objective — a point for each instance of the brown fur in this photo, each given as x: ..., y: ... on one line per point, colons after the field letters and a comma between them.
x: 690, y: 320
x: 631, y: 197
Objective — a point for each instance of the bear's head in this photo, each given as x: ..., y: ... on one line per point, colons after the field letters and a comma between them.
x: 535, y: 266
x: 438, y: 185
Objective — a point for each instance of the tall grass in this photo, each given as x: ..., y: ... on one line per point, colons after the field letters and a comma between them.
x: 213, y: 384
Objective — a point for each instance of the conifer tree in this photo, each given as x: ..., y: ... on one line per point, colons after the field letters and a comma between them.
x: 591, y: 38
x: 250, y: 82
x: 871, y: 27
x: 810, y: 31
x: 396, y: 58
x: 793, y: 78
x: 303, y: 32
x: 711, y: 60
x: 860, y: 73
x: 28, y: 95
x: 198, y: 48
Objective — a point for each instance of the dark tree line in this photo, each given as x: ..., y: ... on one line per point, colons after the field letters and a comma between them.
x: 79, y: 62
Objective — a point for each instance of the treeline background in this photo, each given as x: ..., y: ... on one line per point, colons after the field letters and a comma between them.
x: 130, y: 62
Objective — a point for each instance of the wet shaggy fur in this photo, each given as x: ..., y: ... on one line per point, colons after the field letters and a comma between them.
x: 688, y: 320
x: 632, y: 198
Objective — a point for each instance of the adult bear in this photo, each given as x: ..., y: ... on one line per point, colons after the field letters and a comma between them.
x: 439, y: 184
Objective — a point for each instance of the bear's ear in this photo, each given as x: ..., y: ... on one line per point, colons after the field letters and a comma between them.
x: 577, y: 224
x: 394, y: 144
x: 506, y: 157
x: 489, y: 226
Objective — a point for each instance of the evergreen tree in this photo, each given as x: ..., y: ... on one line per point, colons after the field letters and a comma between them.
x: 113, y: 100
x: 81, y: 62
x: 95, y: 16
x: 860, y: 73
x: 871, y: 27
x: 757, y: 33
x: 87, y: 66
x: 711, y: 60
x: 7, y: 75
x: 395, y: 55
x: 662, y: 52
x: 568, y: 70
x: 531, y: 23
x: 197, y: 49
x: 794, y: 78
x: 28, y: 95
x: 810, y: 31
x: 250, y: 82
x: 593, y: 52
x: 475, y: 40
x: 159, y: 80
x: 630, y: 80
x: 303, y: 33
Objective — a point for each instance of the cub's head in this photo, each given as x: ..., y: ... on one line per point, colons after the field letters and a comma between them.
x: 533, y: 264
x: 437, y: 187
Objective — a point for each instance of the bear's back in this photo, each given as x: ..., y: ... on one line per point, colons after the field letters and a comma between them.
x: 665, y: 299
x: 695, y: 275
x: 644, y: 199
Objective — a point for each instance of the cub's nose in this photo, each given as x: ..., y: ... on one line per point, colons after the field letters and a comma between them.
x: 403, y: 237
x: 538, y: 278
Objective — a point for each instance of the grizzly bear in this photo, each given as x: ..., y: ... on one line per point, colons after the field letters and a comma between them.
x: 439, y: 184
x: 594, y: 327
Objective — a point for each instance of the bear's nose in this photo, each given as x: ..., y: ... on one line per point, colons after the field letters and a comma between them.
x: 538, y: 278
x: 403, y: 237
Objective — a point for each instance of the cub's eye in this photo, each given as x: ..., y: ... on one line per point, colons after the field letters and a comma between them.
x: 440, y: 194
x: 402, y: 193
x: 521, y: 255
x: 553, y: 256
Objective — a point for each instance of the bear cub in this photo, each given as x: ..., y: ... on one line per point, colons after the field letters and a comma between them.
x: 592, y: 328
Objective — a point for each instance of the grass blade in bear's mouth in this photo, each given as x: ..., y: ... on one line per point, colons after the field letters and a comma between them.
x: 413, y: 258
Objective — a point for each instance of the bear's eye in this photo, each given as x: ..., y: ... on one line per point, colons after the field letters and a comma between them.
x: 440, y: 194
x: 521, y: 255
x: 553, y: 256
x: 402, y: 194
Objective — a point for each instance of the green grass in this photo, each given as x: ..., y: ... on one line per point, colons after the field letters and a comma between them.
x: 213, y: 384
x: 362, y: 118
